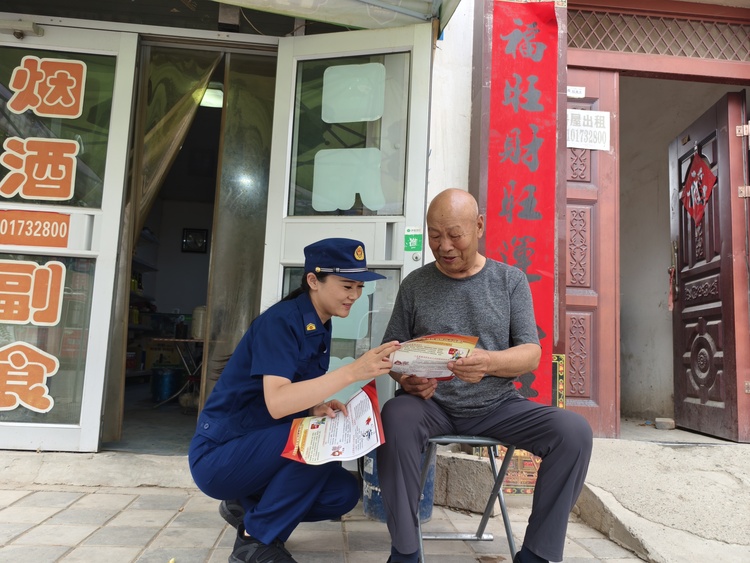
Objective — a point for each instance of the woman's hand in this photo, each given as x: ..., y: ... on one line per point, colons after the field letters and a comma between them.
x: 419, y: 386
x: 284, y: 397
x: 329, y: 408
x: 375, y: 362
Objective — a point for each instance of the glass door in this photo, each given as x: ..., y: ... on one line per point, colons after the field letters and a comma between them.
x: 62, y: 172
x: 349, y: 159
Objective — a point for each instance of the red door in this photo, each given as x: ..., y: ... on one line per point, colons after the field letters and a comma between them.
x: 709, y: 226
x: 592, y: 296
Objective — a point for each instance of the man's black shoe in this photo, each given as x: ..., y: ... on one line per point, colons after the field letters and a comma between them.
x: 232, y: 512
x: 252, y: 550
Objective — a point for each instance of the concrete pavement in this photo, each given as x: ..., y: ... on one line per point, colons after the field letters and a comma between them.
x: 668, y: 496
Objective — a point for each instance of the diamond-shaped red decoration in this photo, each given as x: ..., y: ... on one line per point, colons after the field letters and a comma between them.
x: 697, y: 189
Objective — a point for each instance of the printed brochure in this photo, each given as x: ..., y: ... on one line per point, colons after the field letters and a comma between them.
x: 428, y: 356
x: 319, y: 439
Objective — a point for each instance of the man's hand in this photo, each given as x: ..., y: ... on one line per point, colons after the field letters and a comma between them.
x: 419, y: 386
x: 472, y: 368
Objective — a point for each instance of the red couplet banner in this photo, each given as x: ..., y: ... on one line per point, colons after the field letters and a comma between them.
x: 522, y: 162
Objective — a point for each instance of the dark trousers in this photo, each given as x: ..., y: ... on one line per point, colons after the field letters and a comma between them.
x: 563, y: 440
x: 277, y: 493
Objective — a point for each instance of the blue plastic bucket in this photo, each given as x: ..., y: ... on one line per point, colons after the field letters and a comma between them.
x: 373, y: 502
x: 164, y: 384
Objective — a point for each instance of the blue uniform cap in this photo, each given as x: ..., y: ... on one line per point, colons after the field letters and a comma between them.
x: 343, y: 257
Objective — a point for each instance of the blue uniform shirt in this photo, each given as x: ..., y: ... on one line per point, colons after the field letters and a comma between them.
x: 288, y: 340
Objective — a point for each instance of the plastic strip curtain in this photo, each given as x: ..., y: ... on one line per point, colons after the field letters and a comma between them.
x: 177, y: 80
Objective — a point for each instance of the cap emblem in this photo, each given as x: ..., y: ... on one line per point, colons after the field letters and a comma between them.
x: 359, y: 253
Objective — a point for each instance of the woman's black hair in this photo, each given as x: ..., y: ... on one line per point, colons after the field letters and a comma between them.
x: 304, y: 287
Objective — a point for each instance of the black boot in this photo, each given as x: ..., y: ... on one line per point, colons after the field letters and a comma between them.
x: 252, y: 550
x: 232, y: 511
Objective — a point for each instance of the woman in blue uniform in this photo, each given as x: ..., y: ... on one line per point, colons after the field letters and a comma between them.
x: 278, y: 373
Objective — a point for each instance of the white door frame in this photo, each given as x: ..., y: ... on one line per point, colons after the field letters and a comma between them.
x: 383, y: 235
x: 101, y: 228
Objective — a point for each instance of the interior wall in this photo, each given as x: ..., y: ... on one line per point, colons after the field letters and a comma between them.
x: 652, y: 113
x: 182, y: 280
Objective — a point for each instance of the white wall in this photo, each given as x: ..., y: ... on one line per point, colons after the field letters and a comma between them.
x: 652, y: 113
x: 450, y: 127
x: 182, y: 280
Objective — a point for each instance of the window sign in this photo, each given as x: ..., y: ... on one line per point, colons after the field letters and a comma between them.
x: 349, y: 140
x: 48, y: 87
x: 31, y: 292
x: 45, y: 305
x: 55, y: 126
x: 43, y: 169
x: 24, y: 370
x: 34, y: 228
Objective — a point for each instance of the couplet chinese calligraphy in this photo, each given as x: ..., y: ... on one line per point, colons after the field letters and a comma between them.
x: 521, y: 161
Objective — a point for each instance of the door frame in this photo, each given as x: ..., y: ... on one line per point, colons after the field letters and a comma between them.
x: 110, y: 412
x: 106, y: 227
x: 386, y: 230
x: 662, y: 66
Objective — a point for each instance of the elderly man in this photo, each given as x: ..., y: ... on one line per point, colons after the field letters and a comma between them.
x: 463, y: 292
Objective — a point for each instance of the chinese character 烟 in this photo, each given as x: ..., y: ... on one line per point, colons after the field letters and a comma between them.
x: 49, y: 87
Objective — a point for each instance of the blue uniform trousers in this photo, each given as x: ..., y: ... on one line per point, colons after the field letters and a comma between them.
x: 563, y: 439
x: 277, y: 493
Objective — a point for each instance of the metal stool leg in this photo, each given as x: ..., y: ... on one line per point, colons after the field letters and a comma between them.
x: 496, y: 494
x: 429, y: 455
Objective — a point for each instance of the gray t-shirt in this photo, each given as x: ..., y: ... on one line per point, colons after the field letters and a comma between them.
x: 494, y: 304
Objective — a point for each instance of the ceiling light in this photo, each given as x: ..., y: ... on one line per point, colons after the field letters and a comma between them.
x: 213, y: 97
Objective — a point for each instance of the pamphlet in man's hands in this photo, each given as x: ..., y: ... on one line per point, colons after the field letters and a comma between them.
x: 319, y: 439
x: 428, y: 356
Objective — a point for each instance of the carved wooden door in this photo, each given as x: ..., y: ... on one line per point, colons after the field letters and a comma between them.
x: 708, y: 164
x: 592, y: 298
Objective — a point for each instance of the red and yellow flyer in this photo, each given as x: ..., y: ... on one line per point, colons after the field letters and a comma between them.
x: 428, y: 356
x: 320, y: 439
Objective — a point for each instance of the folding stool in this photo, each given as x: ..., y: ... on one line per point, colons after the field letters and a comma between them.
x: 497, y: 493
